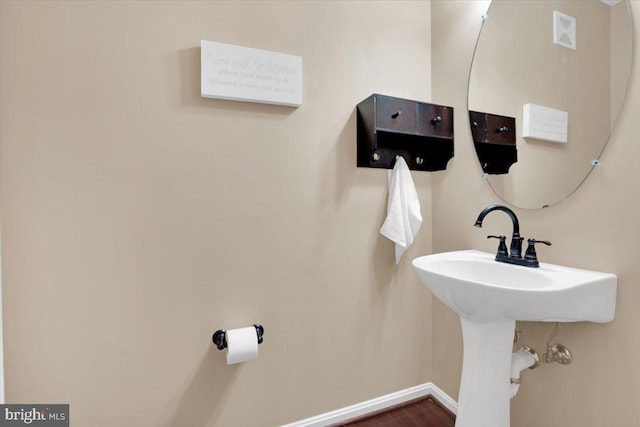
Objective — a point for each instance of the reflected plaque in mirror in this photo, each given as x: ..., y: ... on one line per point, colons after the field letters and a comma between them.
x: 561, y: 69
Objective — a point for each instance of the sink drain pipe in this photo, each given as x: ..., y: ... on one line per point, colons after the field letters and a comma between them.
x: 524, y: 358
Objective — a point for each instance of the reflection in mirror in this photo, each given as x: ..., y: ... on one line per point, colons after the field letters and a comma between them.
x: 571, y: 97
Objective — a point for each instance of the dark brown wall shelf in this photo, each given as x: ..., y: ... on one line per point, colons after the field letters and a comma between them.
x: 494, y: 137
x: 419, y: 132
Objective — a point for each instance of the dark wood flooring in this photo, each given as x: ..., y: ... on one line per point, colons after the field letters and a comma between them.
x: 423, y: 412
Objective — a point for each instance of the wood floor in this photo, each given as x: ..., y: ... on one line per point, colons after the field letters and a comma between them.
x: 423, y: 412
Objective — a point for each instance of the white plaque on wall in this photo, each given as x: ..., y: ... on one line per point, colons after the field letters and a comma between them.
x: 252, y: 75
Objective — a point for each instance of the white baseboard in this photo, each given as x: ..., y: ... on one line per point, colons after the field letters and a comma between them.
x: 383, y: 402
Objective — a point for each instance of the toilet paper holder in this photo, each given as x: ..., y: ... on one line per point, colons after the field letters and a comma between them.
x: 219, y: 337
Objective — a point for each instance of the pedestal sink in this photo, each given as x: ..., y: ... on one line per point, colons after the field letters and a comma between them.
x: 490, y: 296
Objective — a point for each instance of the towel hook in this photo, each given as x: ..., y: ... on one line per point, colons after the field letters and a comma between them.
x: 395, y: 159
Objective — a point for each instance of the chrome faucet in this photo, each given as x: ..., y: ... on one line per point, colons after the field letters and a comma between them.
x: 515, y: 250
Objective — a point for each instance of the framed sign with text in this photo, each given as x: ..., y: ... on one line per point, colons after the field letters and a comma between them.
x: 251, y: 75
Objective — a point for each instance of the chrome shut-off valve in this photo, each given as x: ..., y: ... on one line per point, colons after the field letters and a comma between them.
x: 556, y: 352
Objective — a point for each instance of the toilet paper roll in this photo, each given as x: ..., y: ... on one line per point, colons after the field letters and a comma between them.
x: 242, y: 345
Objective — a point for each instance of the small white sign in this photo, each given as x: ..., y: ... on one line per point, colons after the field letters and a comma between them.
x: 252, y: 75
x: 544, y: 123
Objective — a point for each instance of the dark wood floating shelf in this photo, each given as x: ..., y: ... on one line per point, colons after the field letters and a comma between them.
x: 494, y: 137
x: 419, y: 132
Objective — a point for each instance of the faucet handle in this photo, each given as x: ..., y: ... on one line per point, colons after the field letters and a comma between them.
x: 502, y: 246
x: 530, y: 254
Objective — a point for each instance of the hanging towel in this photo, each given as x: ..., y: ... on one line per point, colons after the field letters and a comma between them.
x: 403, y: 208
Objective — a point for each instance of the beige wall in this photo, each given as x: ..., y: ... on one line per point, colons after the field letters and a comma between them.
x: 138, y: 218
x: 597, y: 228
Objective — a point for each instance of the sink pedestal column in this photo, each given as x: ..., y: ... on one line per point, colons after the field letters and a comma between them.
x: 484, y: 399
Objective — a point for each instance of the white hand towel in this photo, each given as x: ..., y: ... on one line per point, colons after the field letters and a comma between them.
x: 403, y: 208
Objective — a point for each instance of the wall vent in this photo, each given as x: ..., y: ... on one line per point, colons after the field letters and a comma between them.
x: 564, y: 30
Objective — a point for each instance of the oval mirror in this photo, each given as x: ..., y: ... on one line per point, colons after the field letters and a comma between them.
x: 558, y: 71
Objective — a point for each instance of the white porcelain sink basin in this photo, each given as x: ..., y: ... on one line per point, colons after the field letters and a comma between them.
x: 478, y: 288
x: 490, y: 296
